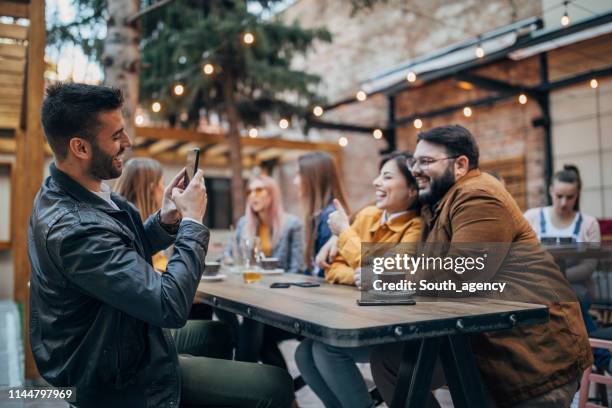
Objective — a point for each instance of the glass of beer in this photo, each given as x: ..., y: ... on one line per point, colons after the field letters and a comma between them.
x: 251, y: 275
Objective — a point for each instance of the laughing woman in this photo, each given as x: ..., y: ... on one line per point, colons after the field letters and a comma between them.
x: 330, y: 371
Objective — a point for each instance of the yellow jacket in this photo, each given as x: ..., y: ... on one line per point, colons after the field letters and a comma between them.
x: 405, y: 228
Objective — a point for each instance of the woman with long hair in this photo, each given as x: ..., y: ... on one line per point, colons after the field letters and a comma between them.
x: 331, y: 371
x: 318, y: 182
x: 280, y: 236
x: 142, y: 184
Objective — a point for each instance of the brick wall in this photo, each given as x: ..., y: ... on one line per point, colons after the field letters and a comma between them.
x: 375, y: 40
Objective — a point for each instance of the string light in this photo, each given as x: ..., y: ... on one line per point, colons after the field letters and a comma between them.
x: 565, y: 20
x: 156, y: 107
x: 139, y: 120
x: 411, y: 77
x: 208, y: 69
x: 480, y: 51
x: 253, y: 133
x: 377, y: 133
x: 418, y: 123
x: 283, y: 123
x: 467, y: 111
x: 594, y: 83
x: 522, y: 99
x: 182, y: 60
x: 343, y: 141
x: 361, y: 96
x: 317, y: 111
x: 248, y: 38
x: 179, y: 89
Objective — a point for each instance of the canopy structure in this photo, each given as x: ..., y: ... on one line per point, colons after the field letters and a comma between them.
x: 22, y: 65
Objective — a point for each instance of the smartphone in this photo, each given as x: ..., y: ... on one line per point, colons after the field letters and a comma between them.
x: 395, y: 302
x: 193, y: 162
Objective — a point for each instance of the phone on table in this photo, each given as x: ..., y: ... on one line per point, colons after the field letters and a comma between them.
x: 283, y: 285
x: 380, y: 302
x: 191, y: 168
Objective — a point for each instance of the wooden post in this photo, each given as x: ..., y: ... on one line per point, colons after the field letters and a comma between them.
x: 29, y: 167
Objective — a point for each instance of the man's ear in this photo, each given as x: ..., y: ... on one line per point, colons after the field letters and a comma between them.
x: 462, y: 166
x: 80, y: 148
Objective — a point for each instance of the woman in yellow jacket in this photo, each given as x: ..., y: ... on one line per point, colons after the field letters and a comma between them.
x: 331, y: 371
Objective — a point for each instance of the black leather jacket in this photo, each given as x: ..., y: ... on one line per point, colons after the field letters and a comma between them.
x: 98, y: 309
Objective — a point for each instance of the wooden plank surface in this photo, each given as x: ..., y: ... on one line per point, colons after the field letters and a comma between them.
x: 29, y: 168
x: 12, y: 66
x: 329, y: 313
x: 13, y: 51
x: 13, y: 31
x: 14, y: 9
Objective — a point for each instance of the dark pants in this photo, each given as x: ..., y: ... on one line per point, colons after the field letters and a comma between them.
x: 256, y: 341
x: 385, y: 362
x: 211, y: 379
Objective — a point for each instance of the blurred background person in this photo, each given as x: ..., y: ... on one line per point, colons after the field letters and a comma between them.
x: 280, y: 236
x: 563, y: 222
x: 318, y: 182
x: 331, y: 371
x: 142, y: 184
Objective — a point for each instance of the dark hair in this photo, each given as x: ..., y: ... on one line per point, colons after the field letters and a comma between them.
x: 457, y: 140
x: 400, y: 158
x: 71, y: 110
x: 570, y: 174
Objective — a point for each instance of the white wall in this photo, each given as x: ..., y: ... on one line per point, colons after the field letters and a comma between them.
x: 582, y: 135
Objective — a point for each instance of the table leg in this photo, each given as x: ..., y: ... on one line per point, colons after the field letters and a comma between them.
x: 414, y: 377
x: 462, y: 374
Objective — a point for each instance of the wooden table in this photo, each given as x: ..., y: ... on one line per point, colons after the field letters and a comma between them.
x: 330, y: 314
x: 580, y: 251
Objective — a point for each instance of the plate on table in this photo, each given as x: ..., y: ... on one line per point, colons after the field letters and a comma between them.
x: 213, y: 278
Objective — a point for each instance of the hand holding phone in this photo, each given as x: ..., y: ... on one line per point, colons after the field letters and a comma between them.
x: 192, y: 165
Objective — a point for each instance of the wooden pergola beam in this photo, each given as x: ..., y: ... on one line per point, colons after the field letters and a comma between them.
x: 29, y: 161
x: 14, y: 9
x: 14, y: 31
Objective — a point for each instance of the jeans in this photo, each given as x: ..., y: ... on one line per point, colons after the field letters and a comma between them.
x: 210, y: 380
x: 332, y: 374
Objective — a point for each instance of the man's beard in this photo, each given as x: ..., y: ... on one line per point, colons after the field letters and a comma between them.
x: 438, y: 187
x: 101, y: 166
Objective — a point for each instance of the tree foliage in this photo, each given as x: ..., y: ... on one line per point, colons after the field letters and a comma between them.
x: 187, y: 35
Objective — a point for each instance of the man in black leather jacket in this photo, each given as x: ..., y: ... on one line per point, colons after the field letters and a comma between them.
x: 99, y: 312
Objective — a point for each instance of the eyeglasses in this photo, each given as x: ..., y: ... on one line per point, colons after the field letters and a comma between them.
x: 424, y: 162
x: 257, y: 191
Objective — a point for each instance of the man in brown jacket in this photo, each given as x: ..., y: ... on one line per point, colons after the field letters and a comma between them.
x: 529, y: 366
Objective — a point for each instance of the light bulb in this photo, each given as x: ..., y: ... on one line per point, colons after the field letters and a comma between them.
x: 522, y: 99
x: 208, y: 69
x: 361, y: 96
x: 343, y: 141
x: 480, y: 51
x: 248, y: 38
x: 283, y: 123
x: 467, y: 111
x: 253, y: 133
x: 418, y: 123
x: 317, y: 111
x: 377, y: 133
x: 565, y: 20
x: 594, y: 83
x: 179, y: 89
x: 411, y: 77
x: 156, y: 107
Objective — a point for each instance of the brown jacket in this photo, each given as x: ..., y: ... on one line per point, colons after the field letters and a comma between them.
x: 528, y: 361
